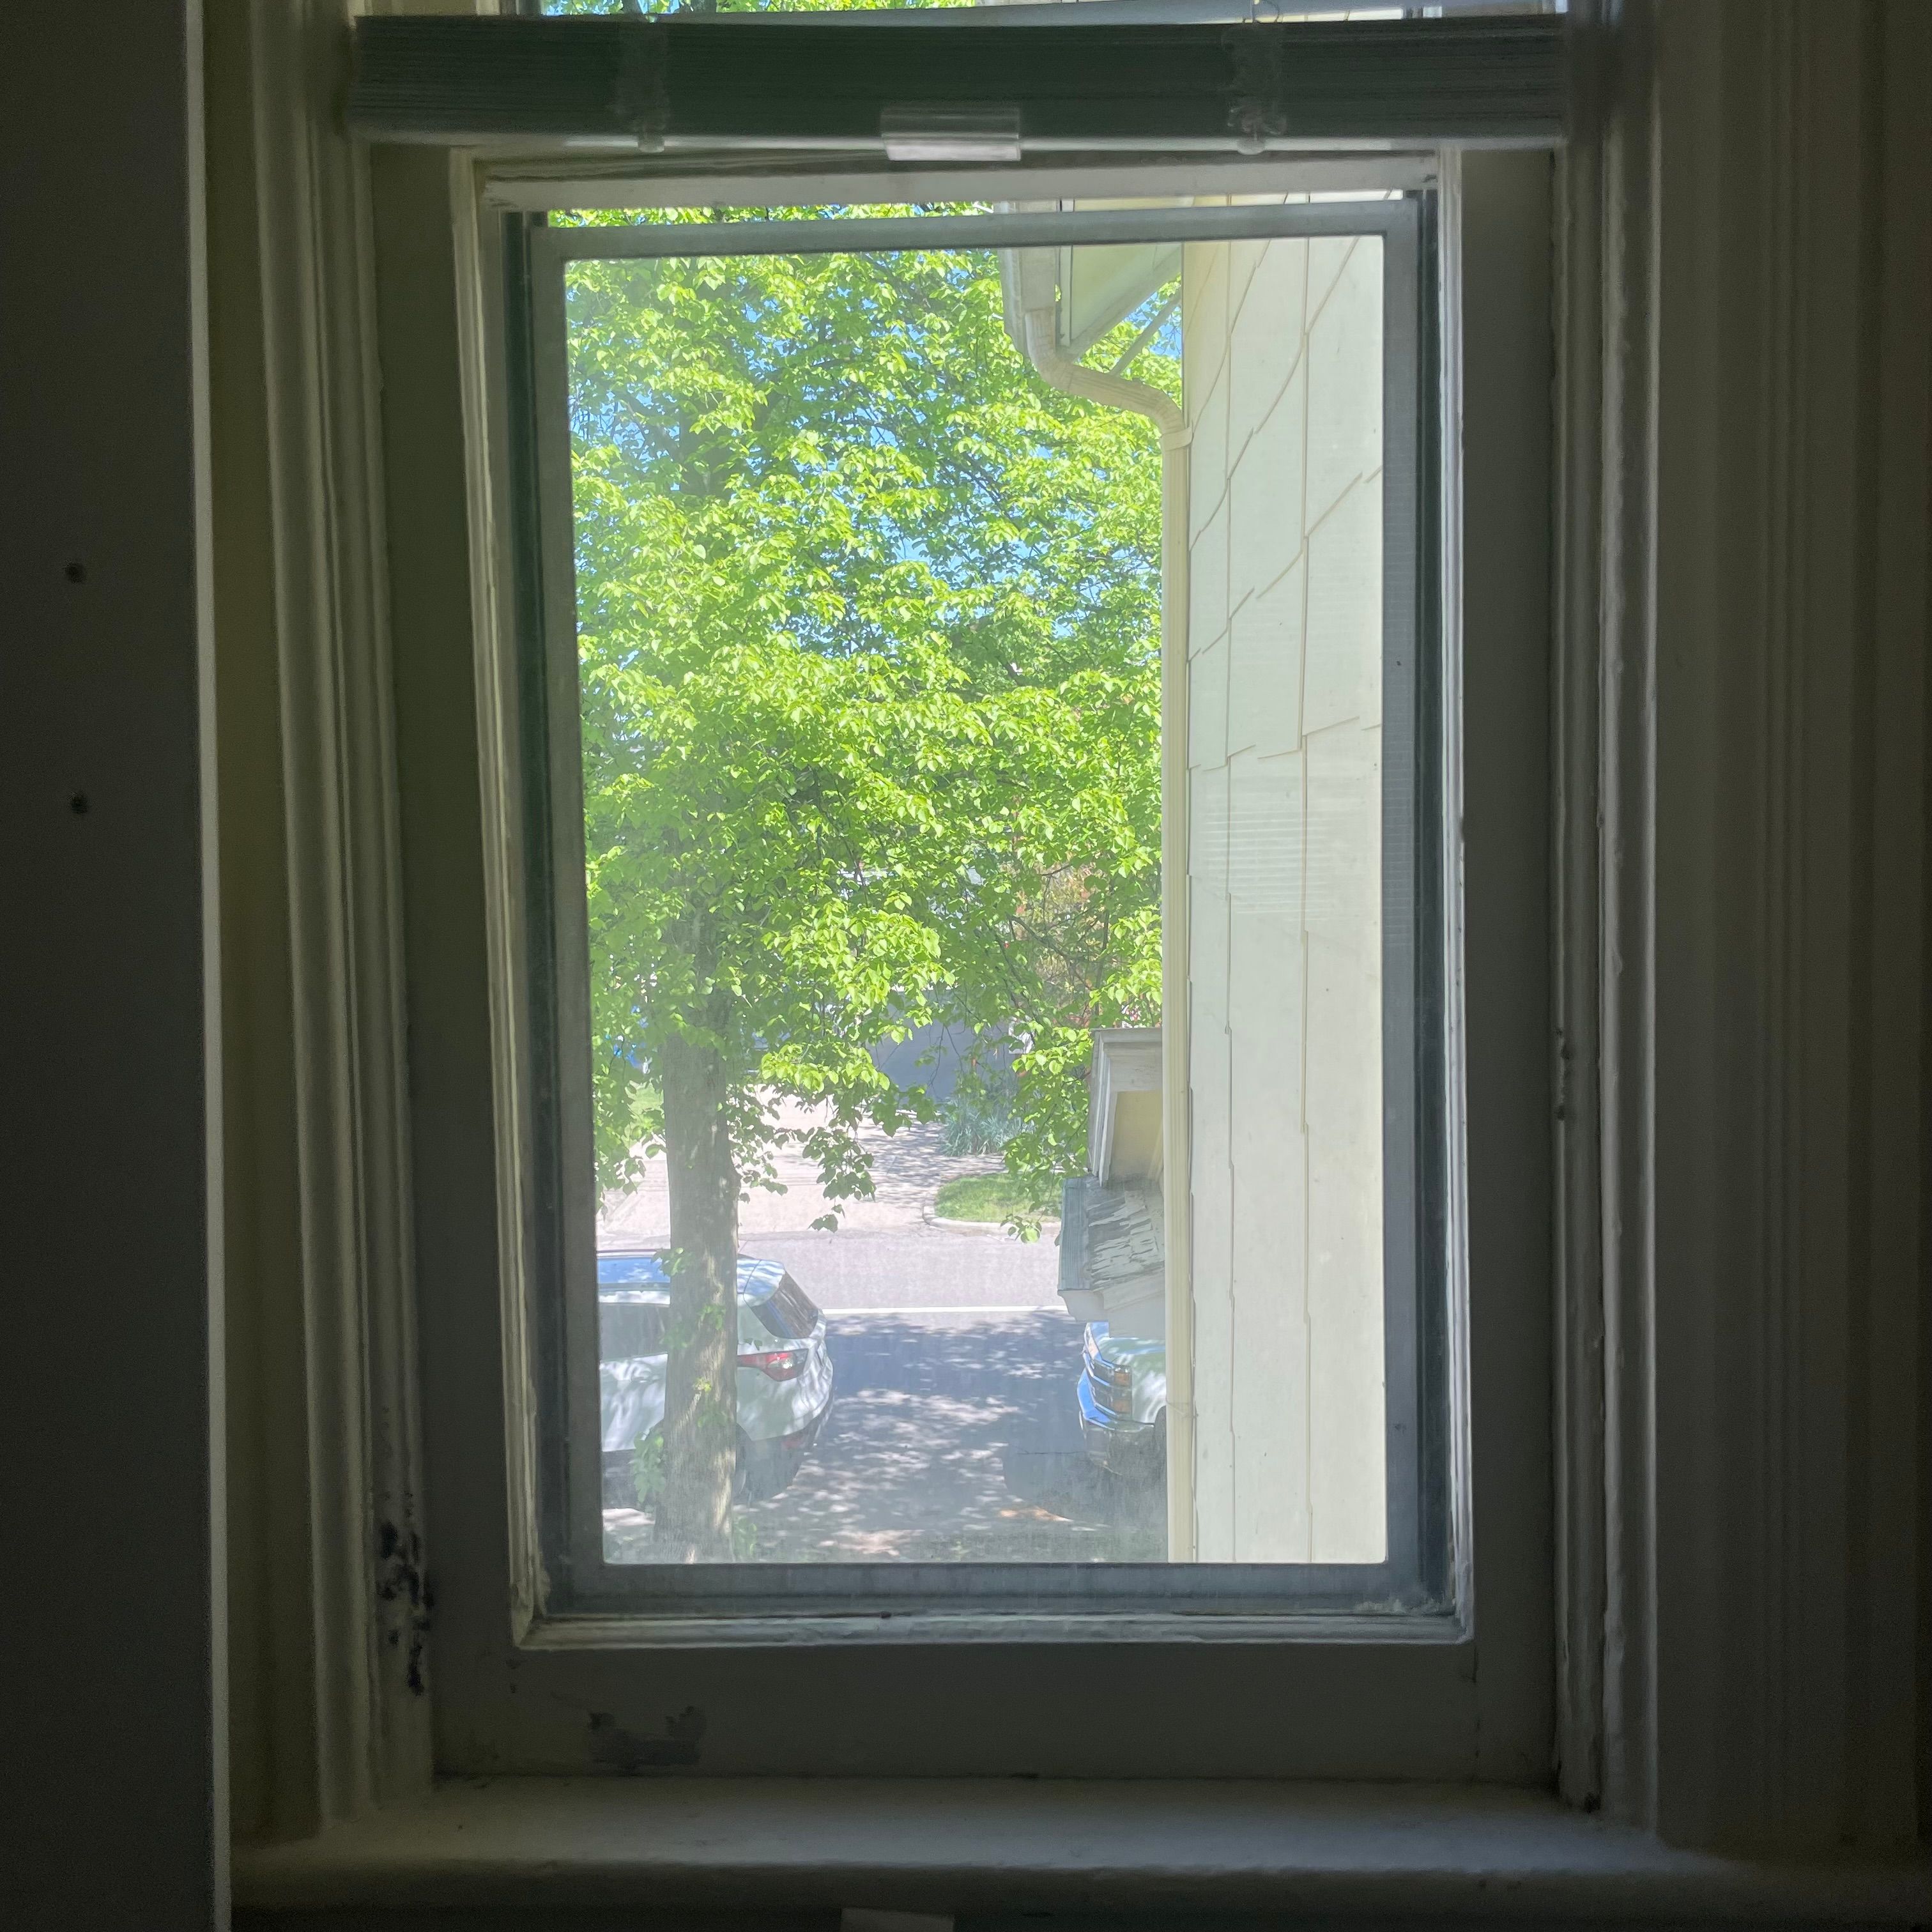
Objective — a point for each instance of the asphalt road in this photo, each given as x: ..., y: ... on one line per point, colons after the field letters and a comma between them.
x: 955, y: 1433
x: 920, y: 1268
x: 953, y: 1437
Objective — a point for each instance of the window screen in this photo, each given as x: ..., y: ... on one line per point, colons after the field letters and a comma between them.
x: 991, y: 893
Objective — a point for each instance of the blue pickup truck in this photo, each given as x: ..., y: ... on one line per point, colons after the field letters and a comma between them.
x: 1123, y: 1403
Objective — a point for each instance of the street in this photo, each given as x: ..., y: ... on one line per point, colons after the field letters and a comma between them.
x: 920, y: 1268
x: 954, y: 1435
x: 952, y: 1438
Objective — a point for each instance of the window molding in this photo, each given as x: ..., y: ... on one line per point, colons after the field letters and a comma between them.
x: 1741, y: 868
x: 1699, y: 257
x: 326, y: 1557
x: 1582, y: 271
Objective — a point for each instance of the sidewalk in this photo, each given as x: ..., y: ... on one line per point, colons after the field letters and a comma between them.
x: 886, y: 1253
x: 908, y: 1168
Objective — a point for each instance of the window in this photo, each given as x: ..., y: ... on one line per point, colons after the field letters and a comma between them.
x: 1338, y: 514
x: 1697, y: 1635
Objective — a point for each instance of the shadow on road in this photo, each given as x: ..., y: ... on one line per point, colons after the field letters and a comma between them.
x: 951, y: 1438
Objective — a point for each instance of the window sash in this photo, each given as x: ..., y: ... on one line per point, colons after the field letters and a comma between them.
x: 1413, y: 1585
x: 1315, y: 1696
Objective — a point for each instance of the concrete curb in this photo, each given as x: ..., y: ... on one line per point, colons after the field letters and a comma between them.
x: 999, y: 1227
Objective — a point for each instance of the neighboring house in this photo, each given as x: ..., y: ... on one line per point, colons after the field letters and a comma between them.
x: 1273, y: 599
x: 934, y: 1056
x: 1113, y: 1242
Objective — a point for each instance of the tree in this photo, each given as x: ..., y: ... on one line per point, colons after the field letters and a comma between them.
x: 869, y: 663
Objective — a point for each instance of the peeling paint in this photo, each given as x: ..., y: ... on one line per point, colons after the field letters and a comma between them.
x: 400, y: 1582
x: 621, y: 1750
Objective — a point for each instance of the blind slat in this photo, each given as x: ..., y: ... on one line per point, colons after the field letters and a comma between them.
x: 690, y: 83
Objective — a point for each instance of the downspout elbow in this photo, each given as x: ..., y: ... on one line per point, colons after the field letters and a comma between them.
x: 1072, y: 378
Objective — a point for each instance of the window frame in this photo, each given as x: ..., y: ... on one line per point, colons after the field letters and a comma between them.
x: 1415, y: 1582
x: 519, y: 1690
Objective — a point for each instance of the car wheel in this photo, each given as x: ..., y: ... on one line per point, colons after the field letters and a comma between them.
x: 764, y: 1470
x: 752, y: 1476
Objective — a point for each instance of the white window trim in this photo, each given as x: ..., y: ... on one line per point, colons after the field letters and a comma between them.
x: 325, y: 1548
x: 771, y: 1850
x: 1740, y: 1165
x: 1795, y: 1665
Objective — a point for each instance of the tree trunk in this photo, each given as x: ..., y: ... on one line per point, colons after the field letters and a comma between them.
x: 700, y: 1425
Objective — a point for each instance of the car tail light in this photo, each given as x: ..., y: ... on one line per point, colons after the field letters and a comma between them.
x: 782, y: 1365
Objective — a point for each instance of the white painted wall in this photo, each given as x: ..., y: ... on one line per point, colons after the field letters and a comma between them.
x: 114, y: 1811
x: 1283, y: 375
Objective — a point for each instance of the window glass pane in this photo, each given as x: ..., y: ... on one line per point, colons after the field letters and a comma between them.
x: 883, y: 563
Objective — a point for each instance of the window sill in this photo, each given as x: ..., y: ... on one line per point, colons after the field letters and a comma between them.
x: 799, y: 1847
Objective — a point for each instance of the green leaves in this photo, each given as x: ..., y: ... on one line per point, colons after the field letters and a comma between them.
x: 869, y: 674
x: 647, y: 1470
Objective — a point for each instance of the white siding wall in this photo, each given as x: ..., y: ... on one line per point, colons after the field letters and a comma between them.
x: 1283, y: 390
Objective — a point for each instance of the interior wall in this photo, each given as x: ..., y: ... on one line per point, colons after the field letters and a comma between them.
x: 111, y: 1718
